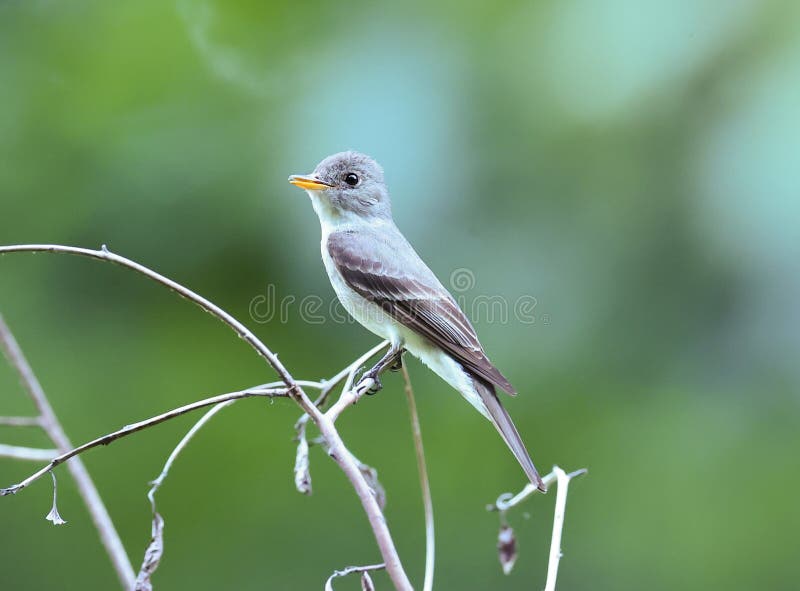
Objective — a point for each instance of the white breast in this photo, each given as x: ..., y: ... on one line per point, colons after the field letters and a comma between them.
x: 368, y: 314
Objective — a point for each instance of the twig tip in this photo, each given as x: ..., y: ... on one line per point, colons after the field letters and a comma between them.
x: 580, y: 472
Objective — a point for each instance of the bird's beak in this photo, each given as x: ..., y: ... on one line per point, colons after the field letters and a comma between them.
x: 309, y: 183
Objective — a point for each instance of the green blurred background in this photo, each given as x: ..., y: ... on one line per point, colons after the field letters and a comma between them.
x: 634, y: 165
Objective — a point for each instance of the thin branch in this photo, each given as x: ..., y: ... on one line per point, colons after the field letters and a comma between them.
x: 508, y: 501
x: 49, y: 422
x: 16, y: 452
x: 329, y: 385
x: 348, y: 373
x: 339, y: 451
x: 558, y: 525
x: 106, y: 255
x: 20, y: 422
x: 156, y: 484
x: 134, y: 427
x: 349, y: 571
x: 371, y: 476
x: 343, y: 457
x: 348, y: 398
x: 302, y: 473
x: 155, y: 548
x: 427, y: 500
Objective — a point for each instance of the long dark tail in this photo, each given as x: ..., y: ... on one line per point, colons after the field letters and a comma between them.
x: 505, y: 426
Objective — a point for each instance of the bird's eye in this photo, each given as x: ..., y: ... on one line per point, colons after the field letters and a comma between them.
x: 351, y: 179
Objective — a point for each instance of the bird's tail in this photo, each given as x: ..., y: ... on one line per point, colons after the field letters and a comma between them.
x: 505, y: 426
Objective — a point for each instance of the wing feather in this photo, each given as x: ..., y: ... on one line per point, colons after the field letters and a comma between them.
x: 410, y: 293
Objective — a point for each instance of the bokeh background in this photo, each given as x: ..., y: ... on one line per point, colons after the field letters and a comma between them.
x: 633, y: 166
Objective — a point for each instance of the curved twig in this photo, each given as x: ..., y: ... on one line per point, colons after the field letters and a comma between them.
x: 349, y: 571
x: 155, y: 549
x: 106, y: 255
x: 134, y: 427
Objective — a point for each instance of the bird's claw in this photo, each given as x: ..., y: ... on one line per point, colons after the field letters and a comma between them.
x: 397, y: 364
x: 373, y: 388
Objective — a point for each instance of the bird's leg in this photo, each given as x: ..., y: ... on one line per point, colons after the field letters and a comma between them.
x: 398, y: 361
x: 393, y: 360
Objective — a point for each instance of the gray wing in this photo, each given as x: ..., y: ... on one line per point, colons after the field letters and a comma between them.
x: 385, y: 269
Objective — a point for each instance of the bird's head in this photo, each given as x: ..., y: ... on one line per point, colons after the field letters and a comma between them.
x: 347, y: 184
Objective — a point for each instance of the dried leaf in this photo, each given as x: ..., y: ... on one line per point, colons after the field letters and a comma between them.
x: 152, y: 555
x: 371, y: 476
x: 369, y: 473
x: 366, y: 582
x: 506, y: 548
x: 302, y: 473
x: 54, y: 515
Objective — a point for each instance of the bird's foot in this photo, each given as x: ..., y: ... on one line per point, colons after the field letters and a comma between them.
x: 374, y: 387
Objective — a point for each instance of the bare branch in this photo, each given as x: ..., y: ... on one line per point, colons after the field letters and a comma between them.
x: 347, y: 374
x: 49, y: 422
x: 349, y: 571
x: 16, y: 452
x: 348, y: 398
x: 350, y: 395
x: 427, y: 500
x: 302, y: 473
x: 133, y: 428
x: 156, y: 484
x: 325, y: 424
x: 106, y: 255
x: 20, y: 422
x: 369, y: 473
x: 558, y: 525
x: 507, y: 501
x: 155, y: 549
x: 377, y: 521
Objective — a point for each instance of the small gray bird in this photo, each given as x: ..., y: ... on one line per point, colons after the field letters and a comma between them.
x: 384, y: 285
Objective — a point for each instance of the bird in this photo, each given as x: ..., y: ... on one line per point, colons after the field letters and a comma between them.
x: 383, y: 283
